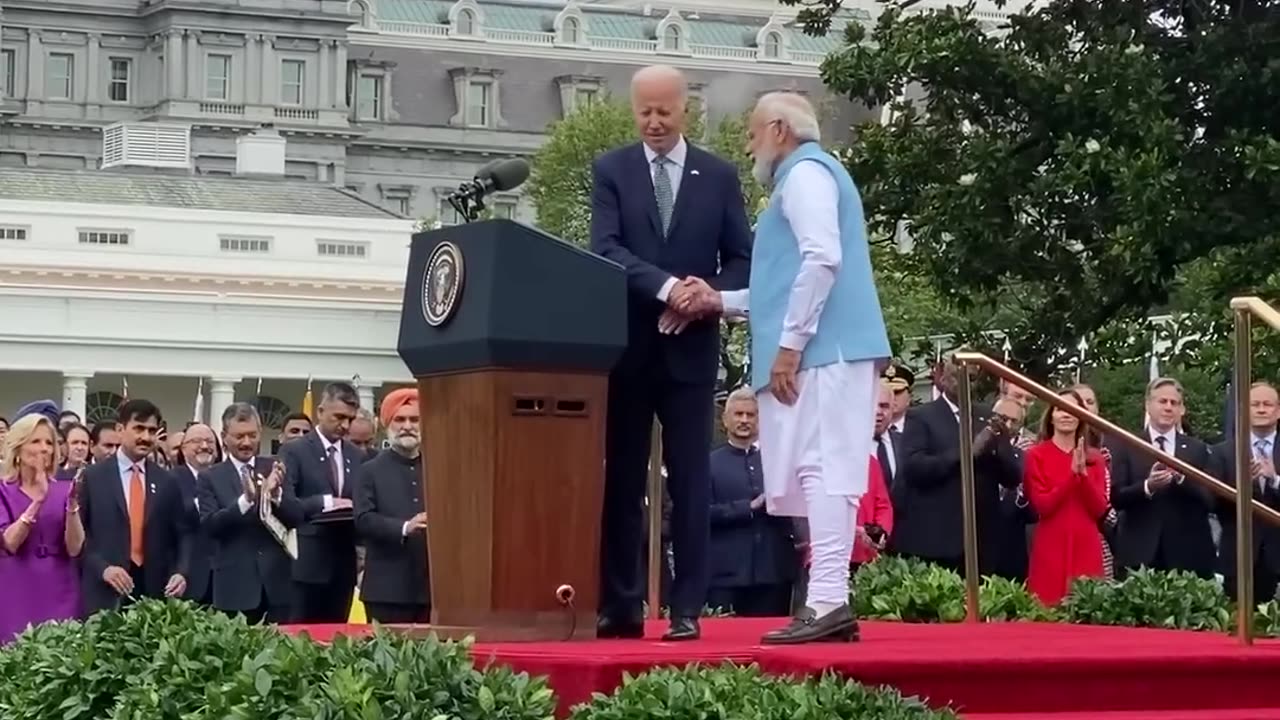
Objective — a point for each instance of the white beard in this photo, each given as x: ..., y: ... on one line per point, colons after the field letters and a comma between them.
x: 762, y: 170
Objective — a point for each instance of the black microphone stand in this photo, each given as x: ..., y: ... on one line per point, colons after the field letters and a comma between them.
x: 468, y: 201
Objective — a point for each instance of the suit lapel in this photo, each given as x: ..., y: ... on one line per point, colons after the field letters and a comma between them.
x: 644, y: 178
x: 686, y: 188
x: 117, y: 487
x: 151, y: 485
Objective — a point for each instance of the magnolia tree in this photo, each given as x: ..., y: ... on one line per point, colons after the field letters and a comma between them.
x: 560, y: 186
x: 1076, y: 170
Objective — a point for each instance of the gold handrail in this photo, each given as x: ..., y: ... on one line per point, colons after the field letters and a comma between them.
x: 655, y: 522
x: 1243, y: 310
x: 1112, y: 431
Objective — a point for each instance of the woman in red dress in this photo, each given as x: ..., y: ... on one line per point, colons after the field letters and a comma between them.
x: 1065, y: 481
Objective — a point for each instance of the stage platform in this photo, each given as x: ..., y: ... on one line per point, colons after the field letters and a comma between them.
x: 991, y: 671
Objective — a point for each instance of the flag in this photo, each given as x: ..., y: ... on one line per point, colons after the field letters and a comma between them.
x: 124, y: 382
x: 197, y: 415
x: 308, y: 402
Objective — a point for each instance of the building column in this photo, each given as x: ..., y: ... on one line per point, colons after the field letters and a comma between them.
x: 366, y: 398
x: 195, y: 88
x: 340, y: 77
x: 222, y: 392
x: 269, y: 89
x: 173, y: 63
x: 35, y: 65
x: 94, y: 75
x: 325, y: 85
x: 75, y: 387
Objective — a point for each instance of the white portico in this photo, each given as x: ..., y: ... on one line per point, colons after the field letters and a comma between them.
x: 155, y: 284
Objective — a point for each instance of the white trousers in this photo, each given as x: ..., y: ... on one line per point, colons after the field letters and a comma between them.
x: 815, y: 456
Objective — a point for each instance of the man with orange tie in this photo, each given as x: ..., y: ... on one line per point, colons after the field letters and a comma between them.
x: 136, y: 532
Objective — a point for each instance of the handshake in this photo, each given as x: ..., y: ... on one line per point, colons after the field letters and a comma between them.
x: 691, y: 299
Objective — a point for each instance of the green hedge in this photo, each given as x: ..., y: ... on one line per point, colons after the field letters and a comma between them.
x: 893, y: 588
x: 733, y: 693
x: 173, y: 661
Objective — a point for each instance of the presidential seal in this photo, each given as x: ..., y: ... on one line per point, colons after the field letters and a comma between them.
x: 442, y: 284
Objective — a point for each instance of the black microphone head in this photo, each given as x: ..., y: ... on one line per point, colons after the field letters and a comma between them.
x: 508, y: 174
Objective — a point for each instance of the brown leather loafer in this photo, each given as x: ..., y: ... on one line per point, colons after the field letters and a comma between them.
x: 839, y: 625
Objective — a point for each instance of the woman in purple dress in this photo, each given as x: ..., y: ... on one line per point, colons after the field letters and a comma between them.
x: 42, y: 534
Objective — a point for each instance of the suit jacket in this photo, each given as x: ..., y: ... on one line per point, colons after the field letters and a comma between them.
x: 708, y: 237
x: 199, y: 567
x: 891, y: 473
x: 388, y: 492
x: 104, y: 511
x: 1175, y: 519
x: 326, y: 550
x: 1266, y: 537
x: 927, y: 504
x: 746, y: 547
x: 247, y: 561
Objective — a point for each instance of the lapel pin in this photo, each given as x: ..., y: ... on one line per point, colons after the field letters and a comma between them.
x: 693, y: 172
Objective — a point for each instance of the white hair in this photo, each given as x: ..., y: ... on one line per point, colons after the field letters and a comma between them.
x: 742, y: 393
x: 661, y: 74
x: 793, y: 111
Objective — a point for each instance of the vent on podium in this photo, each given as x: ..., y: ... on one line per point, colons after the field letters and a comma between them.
x: 156, y: 145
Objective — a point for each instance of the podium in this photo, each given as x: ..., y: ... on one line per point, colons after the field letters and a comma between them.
x: 511, y: 334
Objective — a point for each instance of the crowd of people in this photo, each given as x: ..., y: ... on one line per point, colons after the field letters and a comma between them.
x: 93, y: 520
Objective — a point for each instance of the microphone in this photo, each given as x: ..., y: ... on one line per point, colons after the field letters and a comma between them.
x: 497, y: 176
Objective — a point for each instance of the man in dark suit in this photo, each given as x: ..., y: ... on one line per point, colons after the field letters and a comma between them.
x: 391, y: 519
x: 319, y: 472
x: 251, y: 567
x: 927, y: 505
x: 1264, y: 412
x: 197, y: 453
x: 673, y: 216
x: 137, y: 532
x: 1164, y: 518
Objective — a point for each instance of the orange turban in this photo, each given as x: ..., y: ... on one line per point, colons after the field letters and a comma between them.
x: 395, y: 400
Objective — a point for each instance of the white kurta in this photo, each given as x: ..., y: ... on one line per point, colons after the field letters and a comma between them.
x: 815, y: 454
x: 828, y: 431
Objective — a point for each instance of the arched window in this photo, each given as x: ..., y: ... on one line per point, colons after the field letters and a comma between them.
x: 466, y: 22
x: 101, y: 406
x: 772, y: 45
x: 273, y: 411
x: 361, y: 8
x: 571, y: 31
x: 671, y: 39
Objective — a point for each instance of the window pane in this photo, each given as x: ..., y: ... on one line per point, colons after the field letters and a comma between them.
x: 218, y: 77
x: 292, y: 73
x: 60, y: 75
x: 8, y: 73
x: 478, y: 107
x: 369, y: 98
x: 118, y: 88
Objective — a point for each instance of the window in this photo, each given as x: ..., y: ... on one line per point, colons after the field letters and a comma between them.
x: 61, y: 73
x: 8, y: 73
x: 369, y: 98
x: 217, y: 75
x: 292, y: 73
x: 448, y: 216
x: 584, y: 98
x: 118, y: 85
x: 571, y: 31
x: 504, y: 209
x: 479, y: 104
x: 341, y: 249
x: 14, y: 232
x: 466, y: 23
x: 105, y: 237
x: 772, y: 45
x: 244, y: 243
x: 671, y: 38
x: 401, y: 205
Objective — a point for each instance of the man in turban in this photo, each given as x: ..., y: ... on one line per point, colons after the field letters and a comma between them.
x: 391, y: 518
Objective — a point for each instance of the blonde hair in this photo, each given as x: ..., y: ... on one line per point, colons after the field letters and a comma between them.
x: 21, y: 433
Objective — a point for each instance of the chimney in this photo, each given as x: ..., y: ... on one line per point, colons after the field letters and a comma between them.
x: 260, y: 153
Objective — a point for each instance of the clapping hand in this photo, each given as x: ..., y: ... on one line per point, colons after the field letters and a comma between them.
x: 1078, y: 459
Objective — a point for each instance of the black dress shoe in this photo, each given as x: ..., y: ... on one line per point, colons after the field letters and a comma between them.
x: 610, y: 628
x: 839, y: 625
x: 684, y: 628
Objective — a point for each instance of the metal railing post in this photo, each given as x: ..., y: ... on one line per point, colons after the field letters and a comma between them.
x: 655, y: 522
x: 1241, y: 379
x: 969, y: 511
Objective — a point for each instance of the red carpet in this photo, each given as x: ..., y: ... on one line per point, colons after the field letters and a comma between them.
x: 1019, y: 670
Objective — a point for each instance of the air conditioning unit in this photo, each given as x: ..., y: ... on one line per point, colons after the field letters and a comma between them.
x: 157, y: 145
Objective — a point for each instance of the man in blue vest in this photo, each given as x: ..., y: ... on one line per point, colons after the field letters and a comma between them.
x: 818, y: 343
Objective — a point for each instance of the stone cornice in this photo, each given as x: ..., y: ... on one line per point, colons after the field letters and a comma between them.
x: 150, y: 283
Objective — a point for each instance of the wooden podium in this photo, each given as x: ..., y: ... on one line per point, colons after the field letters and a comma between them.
x: 511, y: 334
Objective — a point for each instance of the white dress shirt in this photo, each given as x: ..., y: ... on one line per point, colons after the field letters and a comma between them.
x: 811, y: 205
x: 126, y: 473
x: 675, y: 173
x: 243, y: 503
x: 336, y: 450
x: 1170, y: 447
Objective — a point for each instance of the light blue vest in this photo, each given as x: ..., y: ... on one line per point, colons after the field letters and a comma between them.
x: 850, y: 327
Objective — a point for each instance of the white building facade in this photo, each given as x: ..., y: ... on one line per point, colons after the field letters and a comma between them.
x: 241, y: 287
